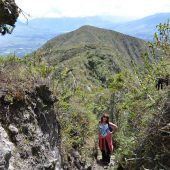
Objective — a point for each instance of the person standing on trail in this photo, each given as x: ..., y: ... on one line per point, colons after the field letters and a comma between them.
x: 106, y: 129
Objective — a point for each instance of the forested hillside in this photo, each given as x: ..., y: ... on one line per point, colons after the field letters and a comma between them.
x: 90, y: 71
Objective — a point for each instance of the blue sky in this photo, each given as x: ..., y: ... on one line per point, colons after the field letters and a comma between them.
x: 81, y: 8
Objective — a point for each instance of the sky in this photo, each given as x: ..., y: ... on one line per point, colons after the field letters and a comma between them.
x: 81, y: 8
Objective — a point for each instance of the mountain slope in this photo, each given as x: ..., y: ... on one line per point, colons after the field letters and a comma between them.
x: 95, y: 51
x: 96, y: 39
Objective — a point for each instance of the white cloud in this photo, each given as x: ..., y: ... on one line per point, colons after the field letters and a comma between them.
x: 79, y: 8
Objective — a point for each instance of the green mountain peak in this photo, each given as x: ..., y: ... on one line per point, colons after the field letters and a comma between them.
x: 98, y: 52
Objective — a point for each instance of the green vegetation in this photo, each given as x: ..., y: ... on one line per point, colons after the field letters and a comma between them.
x: 90, y: 76
x: 139, y: 104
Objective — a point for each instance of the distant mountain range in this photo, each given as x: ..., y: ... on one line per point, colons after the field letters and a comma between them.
x: 143, y: 28
x: 28, y: 37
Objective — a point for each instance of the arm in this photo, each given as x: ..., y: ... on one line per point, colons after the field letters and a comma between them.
x: 113, y: 126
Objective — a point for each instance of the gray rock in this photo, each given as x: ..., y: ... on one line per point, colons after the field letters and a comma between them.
x: 6, y: 148
x: 32, y: 140
x: 13, y: 129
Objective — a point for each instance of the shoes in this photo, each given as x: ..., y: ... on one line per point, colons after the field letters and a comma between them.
x: 104, y: 162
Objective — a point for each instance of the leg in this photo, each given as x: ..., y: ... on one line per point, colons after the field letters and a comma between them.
x: 103, y: 152
x: 108, y: 154
x: 104, y: 156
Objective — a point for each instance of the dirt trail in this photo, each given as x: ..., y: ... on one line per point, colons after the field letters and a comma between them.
x: 97, y: 164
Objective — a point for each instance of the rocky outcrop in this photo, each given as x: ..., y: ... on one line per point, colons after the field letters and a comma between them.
x: 29, y: 130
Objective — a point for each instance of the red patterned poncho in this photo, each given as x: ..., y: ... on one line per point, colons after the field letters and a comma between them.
x: 105, y: 137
